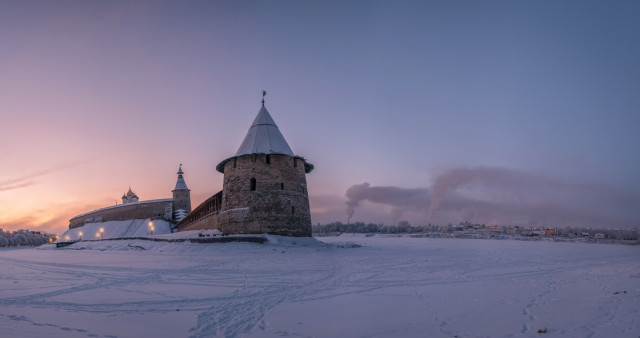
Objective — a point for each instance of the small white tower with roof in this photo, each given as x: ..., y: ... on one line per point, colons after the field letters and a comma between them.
x: 181, y: 196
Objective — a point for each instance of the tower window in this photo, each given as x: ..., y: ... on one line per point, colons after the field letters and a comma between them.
x: 293, y: 209
x: 252, y: 184
x: 295, y: 162
x: 268, y: 159
x: 234, y: 163
x: 281, y: 186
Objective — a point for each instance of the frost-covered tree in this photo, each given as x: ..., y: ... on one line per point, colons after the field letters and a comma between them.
x: 179, y: 215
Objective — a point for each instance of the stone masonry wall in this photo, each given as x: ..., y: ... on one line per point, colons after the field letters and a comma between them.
x: 204, y: 216
x: 265, y: 194
x: 122, y: 212
x: 208, y: 222
x: 182, y: 200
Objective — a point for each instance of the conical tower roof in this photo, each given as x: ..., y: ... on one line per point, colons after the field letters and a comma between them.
x: 181, y: 184
x: 264, y: 137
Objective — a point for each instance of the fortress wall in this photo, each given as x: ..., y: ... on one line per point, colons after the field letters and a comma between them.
x: 203, y: 216
x: 277, y: 203
x: 208, y: 222
x: 123, y: 212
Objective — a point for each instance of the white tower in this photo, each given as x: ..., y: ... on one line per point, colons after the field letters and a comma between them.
x: 181, y: 197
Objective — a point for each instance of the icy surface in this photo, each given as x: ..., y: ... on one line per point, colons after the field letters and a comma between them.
x: 348, y: 286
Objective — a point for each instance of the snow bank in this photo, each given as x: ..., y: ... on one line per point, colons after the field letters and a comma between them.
x: 293, y: 241
x: 192, y: 234
x: 116, y: 229
x: 139, y: 228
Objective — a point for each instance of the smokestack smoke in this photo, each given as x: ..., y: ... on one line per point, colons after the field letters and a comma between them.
x: 400, y: 199
x: 504, y: 196
x: 455, y: 178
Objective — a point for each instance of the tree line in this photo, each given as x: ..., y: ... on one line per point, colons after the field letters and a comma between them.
x: 365, y: 228
x: 406, y: 227
x: 23, y: 238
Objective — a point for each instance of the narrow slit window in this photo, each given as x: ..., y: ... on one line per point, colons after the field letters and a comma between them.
x: 293, y: 209
x: 268, y: 159
x: 295, y: 162
x: 281, y: 186
x: 252, y: 184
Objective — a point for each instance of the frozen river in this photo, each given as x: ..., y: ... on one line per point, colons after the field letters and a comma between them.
x: 381, y: 287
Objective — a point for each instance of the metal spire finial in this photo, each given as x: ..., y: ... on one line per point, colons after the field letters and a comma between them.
x: 264, y: 93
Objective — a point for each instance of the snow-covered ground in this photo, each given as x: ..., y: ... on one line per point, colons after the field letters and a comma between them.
x: 348, y: 286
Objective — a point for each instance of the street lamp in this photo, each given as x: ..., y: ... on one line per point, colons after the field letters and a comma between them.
x: 80, y: 234
x: 150, y: 232
x: 101, y: 233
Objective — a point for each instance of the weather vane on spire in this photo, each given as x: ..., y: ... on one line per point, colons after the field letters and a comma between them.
x: 264, y: 93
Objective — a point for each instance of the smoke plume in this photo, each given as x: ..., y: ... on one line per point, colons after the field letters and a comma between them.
x: 400, y: 199
x: 505, y: 196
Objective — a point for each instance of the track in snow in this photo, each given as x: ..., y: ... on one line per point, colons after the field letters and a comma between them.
x: 389, y: 287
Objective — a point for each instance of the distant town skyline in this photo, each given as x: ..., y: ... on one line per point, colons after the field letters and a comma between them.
x: 434, y: 111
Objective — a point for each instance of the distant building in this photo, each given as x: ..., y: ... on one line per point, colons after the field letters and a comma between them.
x: 132, y: 208
x: 264, y: 188
x: 129, y: 197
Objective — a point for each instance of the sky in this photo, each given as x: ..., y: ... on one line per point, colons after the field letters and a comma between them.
x: 505, y: 112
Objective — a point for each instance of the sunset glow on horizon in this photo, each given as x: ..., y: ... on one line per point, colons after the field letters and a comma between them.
x: 501, y: 112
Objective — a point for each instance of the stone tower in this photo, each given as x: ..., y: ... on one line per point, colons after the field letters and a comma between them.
x: 265, y: 187
x: 181, y: 194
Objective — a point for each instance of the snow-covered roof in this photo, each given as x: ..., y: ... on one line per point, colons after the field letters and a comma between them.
x: 264, y: 137
x: 181, y: 184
